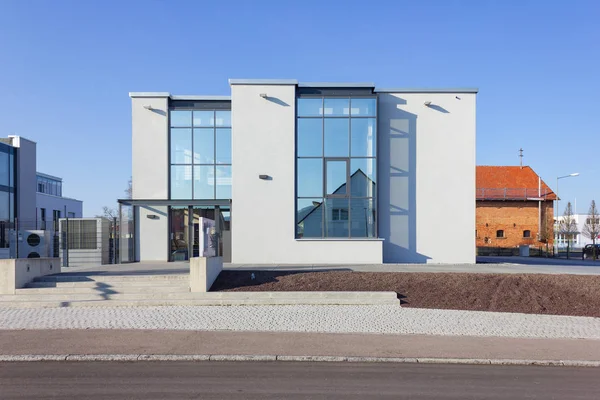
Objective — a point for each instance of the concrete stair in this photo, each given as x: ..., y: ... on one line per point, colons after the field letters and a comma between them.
x: 161, y: 290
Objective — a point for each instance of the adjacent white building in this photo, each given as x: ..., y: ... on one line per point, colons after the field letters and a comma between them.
x: 304, y: 173
x: 31, y: 202
x: 578, y: 239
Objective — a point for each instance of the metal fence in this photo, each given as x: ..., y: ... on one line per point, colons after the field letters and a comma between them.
x: 512, y: 194
x: 76, y: 241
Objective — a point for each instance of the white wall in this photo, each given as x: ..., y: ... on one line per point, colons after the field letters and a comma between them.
x: 50, y: 203
x: 26, y: 183
x: 427, y: 177
x: 150, y: 151
x: 263, y: 211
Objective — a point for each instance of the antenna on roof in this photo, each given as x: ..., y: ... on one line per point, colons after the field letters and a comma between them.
x: 521, y: 156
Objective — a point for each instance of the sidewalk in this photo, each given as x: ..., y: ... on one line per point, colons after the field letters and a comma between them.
x: 377, y: 319
x: 127, y: 342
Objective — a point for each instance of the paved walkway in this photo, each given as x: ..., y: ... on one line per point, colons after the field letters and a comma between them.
x: 494, y: 265
x: 328, y: 319
x: 90, y: 342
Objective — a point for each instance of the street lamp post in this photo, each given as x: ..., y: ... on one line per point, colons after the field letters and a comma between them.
x: 557, y: 204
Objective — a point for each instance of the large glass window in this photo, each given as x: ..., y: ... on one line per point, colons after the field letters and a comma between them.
x: 336, y: 167
x: 200, y: 142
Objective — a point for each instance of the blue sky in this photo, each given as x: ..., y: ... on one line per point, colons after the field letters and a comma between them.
x: 66, y: 68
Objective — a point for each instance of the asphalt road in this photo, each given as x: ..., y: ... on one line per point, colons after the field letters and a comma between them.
x: 284, y: 380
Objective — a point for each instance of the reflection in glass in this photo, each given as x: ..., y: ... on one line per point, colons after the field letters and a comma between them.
x: 337, y: 107
x: 363, y: 137
x: 309, y: 218
x: 336, y: 217
x: 363, y: 175
x: 181, y: 146
x: 4, y: 169
x: 4, y: 206
x: 11, y: 169
x: 336, y: 177
x: 310, y: 177
x: 363, y: 107
x: 181, y: 181
x: 204, y: 182
x: 224, y: 146
x: 363, y: 216
x: 204, y: 118
x: 11, y: 207
x: 310, y: 107
x: 310, y: 137
x: 223, y: 118
x: 181, y: 119
x: 204, y: 146
x: 223, y: 181
x: 337, y: 137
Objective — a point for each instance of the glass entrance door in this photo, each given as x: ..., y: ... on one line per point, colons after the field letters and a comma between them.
x: 179, y: 234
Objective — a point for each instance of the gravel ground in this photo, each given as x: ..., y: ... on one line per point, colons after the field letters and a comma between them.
x: 334, y: 319
x: 576, y: 295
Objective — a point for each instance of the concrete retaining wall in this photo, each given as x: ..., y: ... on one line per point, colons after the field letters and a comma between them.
x: 16, y: 273
x: 203, y: 272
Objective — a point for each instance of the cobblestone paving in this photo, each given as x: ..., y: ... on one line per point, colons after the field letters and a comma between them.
x: 335, y: 319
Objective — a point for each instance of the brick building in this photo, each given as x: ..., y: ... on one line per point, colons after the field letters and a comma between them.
x: 514, y: 206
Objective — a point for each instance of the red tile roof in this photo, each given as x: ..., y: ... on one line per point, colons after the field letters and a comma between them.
x: 503, y: 182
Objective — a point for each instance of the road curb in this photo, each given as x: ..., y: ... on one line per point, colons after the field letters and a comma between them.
x: 282, y: 358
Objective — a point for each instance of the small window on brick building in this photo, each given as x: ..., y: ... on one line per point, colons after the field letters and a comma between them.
x: 527, y: 233
x: 499, y: 233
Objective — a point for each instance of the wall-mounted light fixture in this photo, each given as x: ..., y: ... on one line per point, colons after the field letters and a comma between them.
x: 427, y: 103
x: 148, y: 107
x: 152, y: 216
x: 264, y: 177
x: 263, y: 95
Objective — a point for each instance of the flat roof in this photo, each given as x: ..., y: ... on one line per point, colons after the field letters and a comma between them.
x: 149, y: 94
x: 426, y: 90
x: 302, y: 85
x: 201, y: 98
x: 43, y: 175
x: 179, y: 97
x: 263, y: 82
x: 337, y: 84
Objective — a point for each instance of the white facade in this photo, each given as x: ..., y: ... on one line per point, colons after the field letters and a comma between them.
x: 579, y: 239
x: 150, y: 174
x: 425, y: 172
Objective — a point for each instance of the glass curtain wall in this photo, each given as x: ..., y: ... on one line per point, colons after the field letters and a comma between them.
x: 200, y: 143
x: 336, y: 167
x: 7, y: 193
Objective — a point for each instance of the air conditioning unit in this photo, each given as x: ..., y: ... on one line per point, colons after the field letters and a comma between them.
x: 31, y: 244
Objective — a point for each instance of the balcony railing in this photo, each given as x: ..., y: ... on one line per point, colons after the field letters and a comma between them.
x: 512, y: 194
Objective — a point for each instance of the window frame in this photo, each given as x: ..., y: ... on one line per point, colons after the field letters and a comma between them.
x: 500, y: 234
x: 199, y: 106
x: 374, y: 198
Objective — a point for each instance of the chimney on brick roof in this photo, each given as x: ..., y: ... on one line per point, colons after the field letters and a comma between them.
x: 521, y: 157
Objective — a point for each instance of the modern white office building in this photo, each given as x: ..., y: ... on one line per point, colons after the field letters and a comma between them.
x: 30, y: 202
x: 283, y: 172
x: 576, y: 239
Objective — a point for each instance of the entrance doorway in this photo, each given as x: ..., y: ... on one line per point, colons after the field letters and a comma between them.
x: 200, y: 231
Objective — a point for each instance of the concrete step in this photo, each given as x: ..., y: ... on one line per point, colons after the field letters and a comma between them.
x: 97, y: 288
x: 149, y: 285
x: 199, y: 299
x: 109, y: 294
x: 111, y: 278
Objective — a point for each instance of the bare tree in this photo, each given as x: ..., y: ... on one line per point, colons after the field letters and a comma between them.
x: 129, y: 190
x: 567, y: 225
x: 591, y: 229
x: 109, y: 212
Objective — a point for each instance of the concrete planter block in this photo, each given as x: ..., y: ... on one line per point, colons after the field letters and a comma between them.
x: 203, y: 272
x: 16, y: 273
